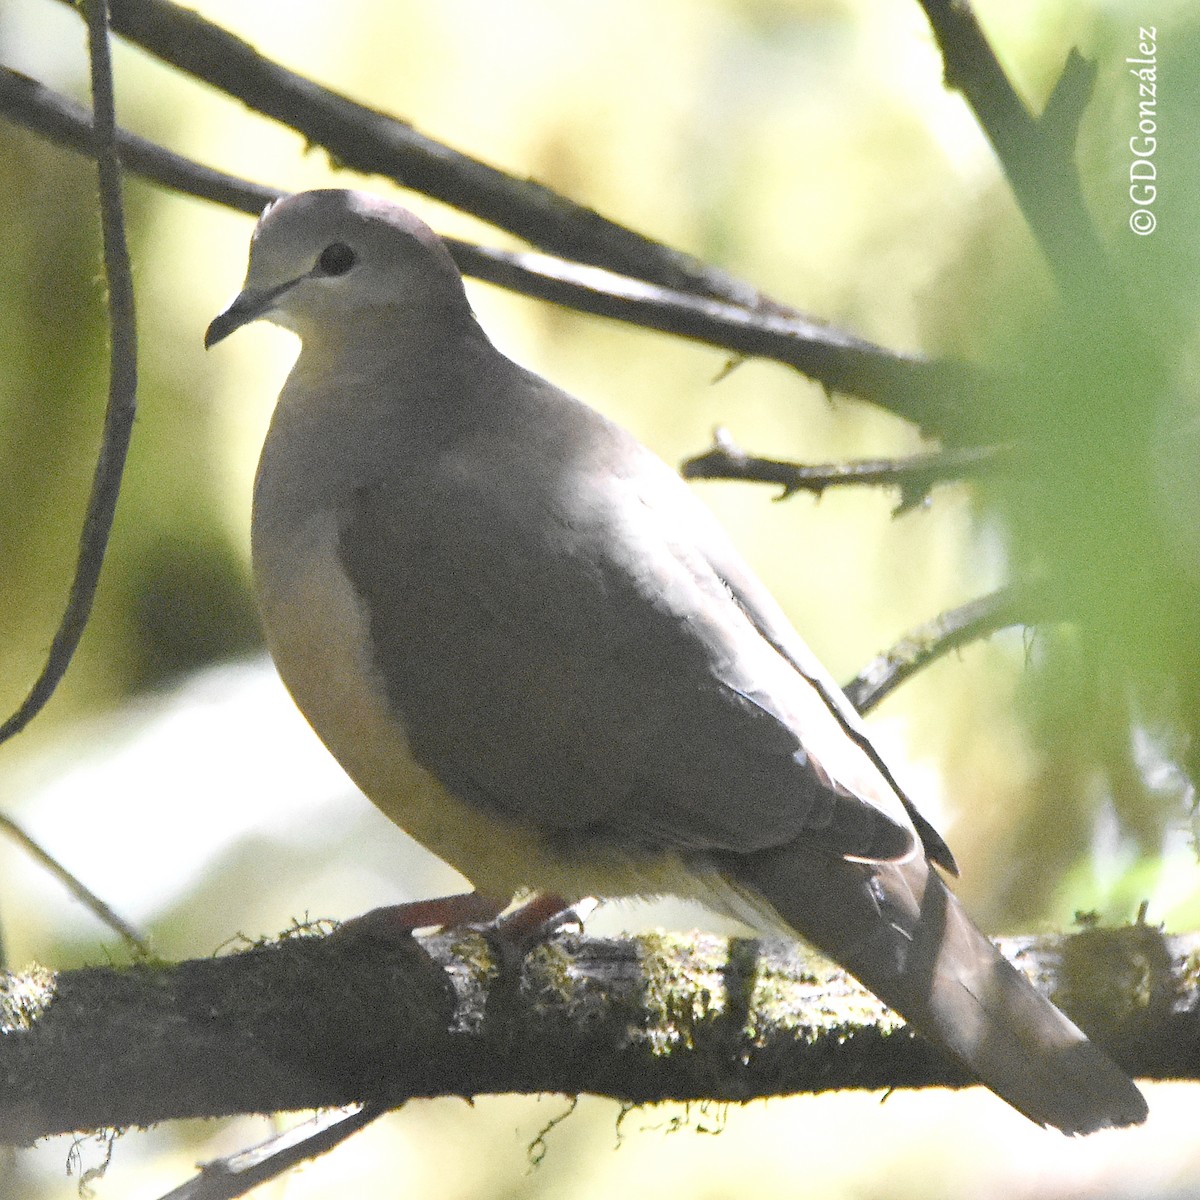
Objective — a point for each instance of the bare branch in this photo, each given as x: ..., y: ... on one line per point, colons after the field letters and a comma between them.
x: 228, y: 1178
x: 1037, y: 156
x: 97, y: 907
x: 122, y: 390
x: 914, y: 475
x: 316, y: 1022
x: 1043, y: 178
x: 373, y: 142
x: 978, y: 618
x: 942, y: 396
x: 66, y: 123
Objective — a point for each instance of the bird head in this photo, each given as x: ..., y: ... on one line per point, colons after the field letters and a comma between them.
x: 332, y: 259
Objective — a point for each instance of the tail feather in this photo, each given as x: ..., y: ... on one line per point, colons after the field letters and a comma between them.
x: 967, y: 996
x: 898, y: 928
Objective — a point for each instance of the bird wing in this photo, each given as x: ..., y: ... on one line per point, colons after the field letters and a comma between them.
x: 771, y: 622
x: 547, y: 623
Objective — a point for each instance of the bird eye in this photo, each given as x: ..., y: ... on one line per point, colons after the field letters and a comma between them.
x: 336, y: 259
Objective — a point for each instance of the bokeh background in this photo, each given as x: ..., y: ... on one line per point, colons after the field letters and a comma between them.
x: 807, y: 145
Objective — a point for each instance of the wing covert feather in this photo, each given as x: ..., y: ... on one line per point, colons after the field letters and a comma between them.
x: 564, y: 652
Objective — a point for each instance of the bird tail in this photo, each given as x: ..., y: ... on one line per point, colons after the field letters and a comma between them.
x: 899, y: 929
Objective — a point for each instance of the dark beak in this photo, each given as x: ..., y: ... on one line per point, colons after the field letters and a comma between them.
x: 247, y: 306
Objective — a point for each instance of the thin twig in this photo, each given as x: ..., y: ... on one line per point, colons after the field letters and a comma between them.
x: 65, y: 122
x: 97, y: 907
x: 228, y: 1178
x: 372, y: 142
x: 942, y: 396
x: 978, y: 618
x: 914, y: 474
x: 122, y: 391
x: 1037, y: 156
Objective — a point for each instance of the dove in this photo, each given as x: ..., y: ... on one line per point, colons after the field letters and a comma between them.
x: 535, y: 649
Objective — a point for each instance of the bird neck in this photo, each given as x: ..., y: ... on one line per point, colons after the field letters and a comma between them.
x: 388, y: 337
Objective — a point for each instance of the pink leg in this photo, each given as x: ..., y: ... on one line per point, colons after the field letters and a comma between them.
x: 514, y: 933
x: 535, y: 919
x: 465, y: 908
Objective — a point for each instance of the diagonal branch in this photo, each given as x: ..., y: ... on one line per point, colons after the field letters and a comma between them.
x: 234, y: 1176
x: 375, y: 143
x: 942, y: 396
x: 936, y: 394
x: 122, y: 389
x: 93, y: 903
x: 1037, y: 155
x: 62, y: 121
x: 951, y: 630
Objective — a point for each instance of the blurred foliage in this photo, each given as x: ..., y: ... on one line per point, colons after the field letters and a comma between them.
x: 1102, y: 513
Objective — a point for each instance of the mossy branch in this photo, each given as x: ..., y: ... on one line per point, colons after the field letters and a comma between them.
x: 323, y: 1020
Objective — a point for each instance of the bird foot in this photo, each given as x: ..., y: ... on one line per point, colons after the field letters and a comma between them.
x: 393, y: 920
x: 537, y: 919
x: 516, y: 931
